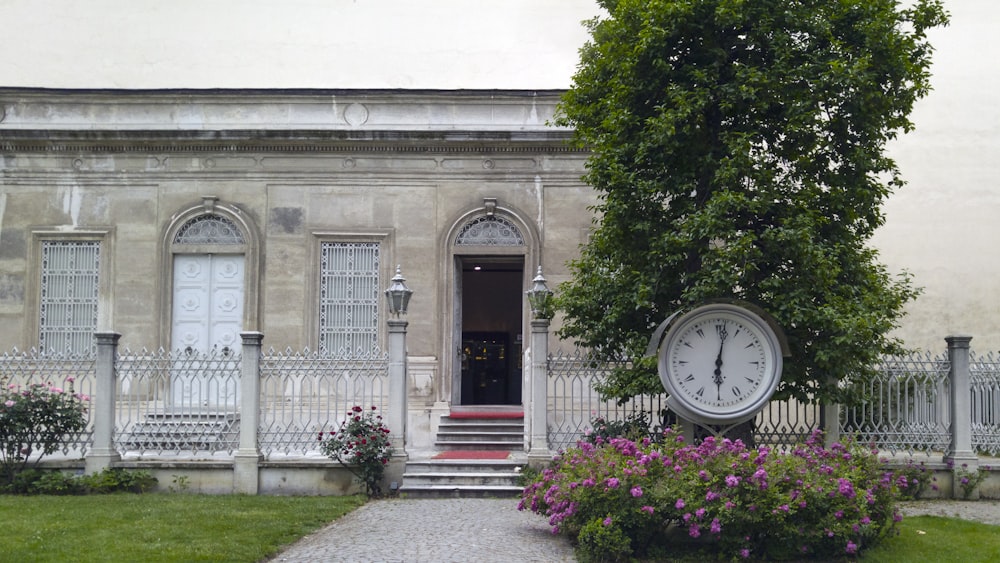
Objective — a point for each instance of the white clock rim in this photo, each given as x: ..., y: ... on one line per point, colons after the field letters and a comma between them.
x: 756, y: 401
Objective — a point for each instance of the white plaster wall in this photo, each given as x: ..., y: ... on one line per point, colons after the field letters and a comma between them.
x: 438, y: 44
x: 944, y: 226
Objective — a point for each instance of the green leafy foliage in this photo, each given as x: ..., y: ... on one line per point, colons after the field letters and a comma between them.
x: 110, y: 480
x: 362, y: 446
x: 717, y: 500
x: 34, y: 422
x: 738, y: 149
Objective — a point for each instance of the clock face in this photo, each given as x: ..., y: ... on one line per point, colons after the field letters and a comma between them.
x: 720, y: 363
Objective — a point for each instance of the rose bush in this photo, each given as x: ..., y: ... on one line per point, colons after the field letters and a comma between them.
x: 361, y: 444
x: 35, y: 421
x: 622, y: 499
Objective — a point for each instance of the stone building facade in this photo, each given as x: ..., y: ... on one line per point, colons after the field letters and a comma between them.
x: 181, y: 218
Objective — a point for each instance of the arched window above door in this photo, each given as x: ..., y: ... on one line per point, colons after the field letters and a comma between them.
x: 489, y: 230
x: 209, y: 229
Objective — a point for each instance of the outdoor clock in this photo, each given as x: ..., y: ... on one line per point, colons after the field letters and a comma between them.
x: 720, y: 363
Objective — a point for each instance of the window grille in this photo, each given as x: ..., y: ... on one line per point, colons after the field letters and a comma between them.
x: 489, y: 230
x: 349, y: 298
x: 209, y: 229
x: 69, y: 296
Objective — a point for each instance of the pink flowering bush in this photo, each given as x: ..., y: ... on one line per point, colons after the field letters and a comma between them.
x: 361, y: 444
x: 718, y: 497
x: 34, y: 422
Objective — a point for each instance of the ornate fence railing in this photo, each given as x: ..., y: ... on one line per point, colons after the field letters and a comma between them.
x: 305, y: 393
x: 905, y: 408
x: 984, y: 379
x: 574, y: 405
x: 173, y: 402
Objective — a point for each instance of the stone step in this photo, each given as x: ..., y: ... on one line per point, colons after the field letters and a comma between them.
x: 480, y: 444
x: 460, y: 491
x: 463, y: 478
x: 500, y: 466
x: 512, y: 437
x: 481, y: 426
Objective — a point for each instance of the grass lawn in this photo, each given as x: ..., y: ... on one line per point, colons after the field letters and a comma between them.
x: 935, y: 539
x: 159, y: 527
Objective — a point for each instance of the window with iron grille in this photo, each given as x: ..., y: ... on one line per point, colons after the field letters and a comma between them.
x: 68, y: 297
x: 349, y: 292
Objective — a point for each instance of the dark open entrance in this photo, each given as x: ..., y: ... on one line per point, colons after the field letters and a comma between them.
x: 491, y: 330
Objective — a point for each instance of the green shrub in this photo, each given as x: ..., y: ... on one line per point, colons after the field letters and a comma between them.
x: 718, y: 497
x: 34, y: 422
x: 112, y: 480
x: 361, y: 445
x: 913, y: 479
x: 603, y: 540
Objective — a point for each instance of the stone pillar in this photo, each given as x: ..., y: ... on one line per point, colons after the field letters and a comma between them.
x: 246, y: 465
x: 539, y: 444
x: 102, y: 453
x: 396, y: 417
x: 961, y: 455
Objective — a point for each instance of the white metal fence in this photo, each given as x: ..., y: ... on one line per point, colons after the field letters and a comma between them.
x: 906, y: 408
x: 177, y: 403
x: 305, y: 393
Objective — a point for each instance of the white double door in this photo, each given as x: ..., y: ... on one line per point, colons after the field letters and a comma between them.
x: 208, y: 294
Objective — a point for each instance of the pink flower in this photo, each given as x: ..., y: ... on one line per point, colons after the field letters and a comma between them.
x: 851, y: 548
x: 745, y: 553
x: 716, y: 526
x: 648, y: 509
x: 694, y: 531
x: 679, y: 504
x: 9, y: 403
x: 636, y: 492
x: 607, y: 521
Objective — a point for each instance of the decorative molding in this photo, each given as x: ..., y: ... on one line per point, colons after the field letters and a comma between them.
x: 140, y: 147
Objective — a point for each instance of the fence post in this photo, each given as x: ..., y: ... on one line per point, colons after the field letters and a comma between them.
x: 539, y: 446
x: 396, y: 417
x: 103, y: 452
x: 960, y: 456
x: 246, y: 462
x: 830, y: 420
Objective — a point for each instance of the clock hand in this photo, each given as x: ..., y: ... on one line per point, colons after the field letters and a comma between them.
x: 717, y: 377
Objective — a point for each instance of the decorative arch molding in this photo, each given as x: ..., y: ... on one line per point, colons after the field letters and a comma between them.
x: 503, y: 231
x: 211, y: 227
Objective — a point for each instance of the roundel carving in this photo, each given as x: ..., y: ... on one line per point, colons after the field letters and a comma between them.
x: 228, y: 269
x: 227, y: 303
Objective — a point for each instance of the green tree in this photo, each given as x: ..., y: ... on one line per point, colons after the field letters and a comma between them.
x: 738, y: 148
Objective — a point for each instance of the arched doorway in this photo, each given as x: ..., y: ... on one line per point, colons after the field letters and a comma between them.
x: 210, y: 263
x: 491, y: 248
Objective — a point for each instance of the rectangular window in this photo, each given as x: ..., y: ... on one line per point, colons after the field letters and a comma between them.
x: 69, y: 296
x: 349, y: 297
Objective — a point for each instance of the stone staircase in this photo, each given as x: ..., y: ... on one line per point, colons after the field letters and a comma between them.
x: 479, y: 454
x: 184, y: 431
